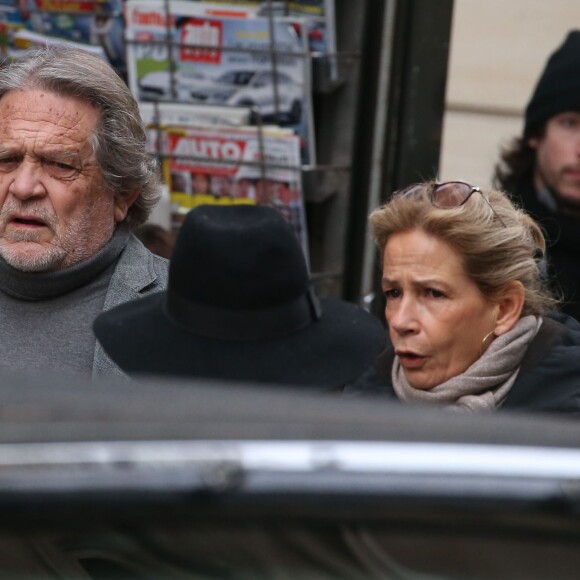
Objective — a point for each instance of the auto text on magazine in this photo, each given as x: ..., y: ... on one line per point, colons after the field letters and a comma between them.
x: 232, y: 165
x: 157, y: 115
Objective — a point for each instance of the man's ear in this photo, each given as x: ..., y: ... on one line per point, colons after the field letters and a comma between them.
x: 510, y: 307
x: 122, y: 205
x: 533, y: 142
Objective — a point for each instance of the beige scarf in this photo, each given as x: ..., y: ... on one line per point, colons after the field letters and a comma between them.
x: 485, y: 384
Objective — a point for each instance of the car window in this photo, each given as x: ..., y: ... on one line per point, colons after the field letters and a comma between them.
x: 244, y: 78
x: 283, y: 79
x: 263, y: 79
x: 236, y: 77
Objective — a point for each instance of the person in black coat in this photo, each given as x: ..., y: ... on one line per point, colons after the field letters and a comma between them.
x: 468, y: 311
x: 541, y: 168
x: 241, y: 306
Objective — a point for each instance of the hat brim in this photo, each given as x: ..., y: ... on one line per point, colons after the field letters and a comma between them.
x: 143, y: 340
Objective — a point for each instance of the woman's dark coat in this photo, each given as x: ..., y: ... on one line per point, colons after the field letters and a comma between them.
x: 548, y: 381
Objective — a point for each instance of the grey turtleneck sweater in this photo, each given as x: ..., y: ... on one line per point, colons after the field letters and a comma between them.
x: 46, y: 317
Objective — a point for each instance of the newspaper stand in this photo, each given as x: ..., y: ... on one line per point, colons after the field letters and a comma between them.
x: 326, y: 181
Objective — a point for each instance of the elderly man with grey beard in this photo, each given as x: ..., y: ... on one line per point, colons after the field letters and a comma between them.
x: 75, y: 179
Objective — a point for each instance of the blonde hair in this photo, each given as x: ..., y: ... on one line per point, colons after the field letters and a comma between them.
x: 499, y: 243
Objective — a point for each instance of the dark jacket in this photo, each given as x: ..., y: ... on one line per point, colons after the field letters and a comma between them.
x: 563, y: 252
x: 548, y: 381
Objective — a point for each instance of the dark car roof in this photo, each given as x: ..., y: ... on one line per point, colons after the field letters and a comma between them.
x: 160, y: 479
x: 53, y: 407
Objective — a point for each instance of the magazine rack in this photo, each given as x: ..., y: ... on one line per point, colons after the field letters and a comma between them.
x: 324, y: 173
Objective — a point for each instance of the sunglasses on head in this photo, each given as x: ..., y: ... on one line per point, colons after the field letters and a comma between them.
x: 447, y: 195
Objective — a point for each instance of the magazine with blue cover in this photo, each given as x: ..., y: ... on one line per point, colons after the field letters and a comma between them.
x: 96, y: 25
x: 256, y: 62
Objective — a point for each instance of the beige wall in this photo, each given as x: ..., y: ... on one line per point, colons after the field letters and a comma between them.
x: 498, y: 50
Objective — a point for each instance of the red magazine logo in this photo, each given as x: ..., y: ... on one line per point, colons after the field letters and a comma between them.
x: 202, y: 40
x: 208, y: 153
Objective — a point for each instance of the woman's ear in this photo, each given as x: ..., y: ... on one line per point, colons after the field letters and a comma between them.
x: 510, y: 308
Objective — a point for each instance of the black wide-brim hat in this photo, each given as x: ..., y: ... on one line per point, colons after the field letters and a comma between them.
x: 240, y: 306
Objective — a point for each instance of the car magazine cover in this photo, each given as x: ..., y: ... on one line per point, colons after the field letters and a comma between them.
x: 319, y: 15
x: 96, y: 25
x: 251, y: 62
x: 230, y: 165
x: 157, y: 115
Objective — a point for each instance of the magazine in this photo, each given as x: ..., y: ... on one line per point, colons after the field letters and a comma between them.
x: 184, y: 114
x: 25, y: 39
x: 11, y: 21
x: 157, y: 115
x: 319, y: 15
x: 251, y: 62
x: 235, y: 165
x: 95, y: 25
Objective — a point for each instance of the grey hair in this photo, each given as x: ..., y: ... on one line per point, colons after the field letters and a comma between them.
x: 499, y: 242
x: 119, y: 141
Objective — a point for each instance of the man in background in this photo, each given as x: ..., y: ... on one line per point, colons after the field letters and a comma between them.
x: 541, y: 169
x: 75, y: 178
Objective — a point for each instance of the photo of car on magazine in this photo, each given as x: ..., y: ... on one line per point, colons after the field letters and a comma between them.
x: 249, y: 61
